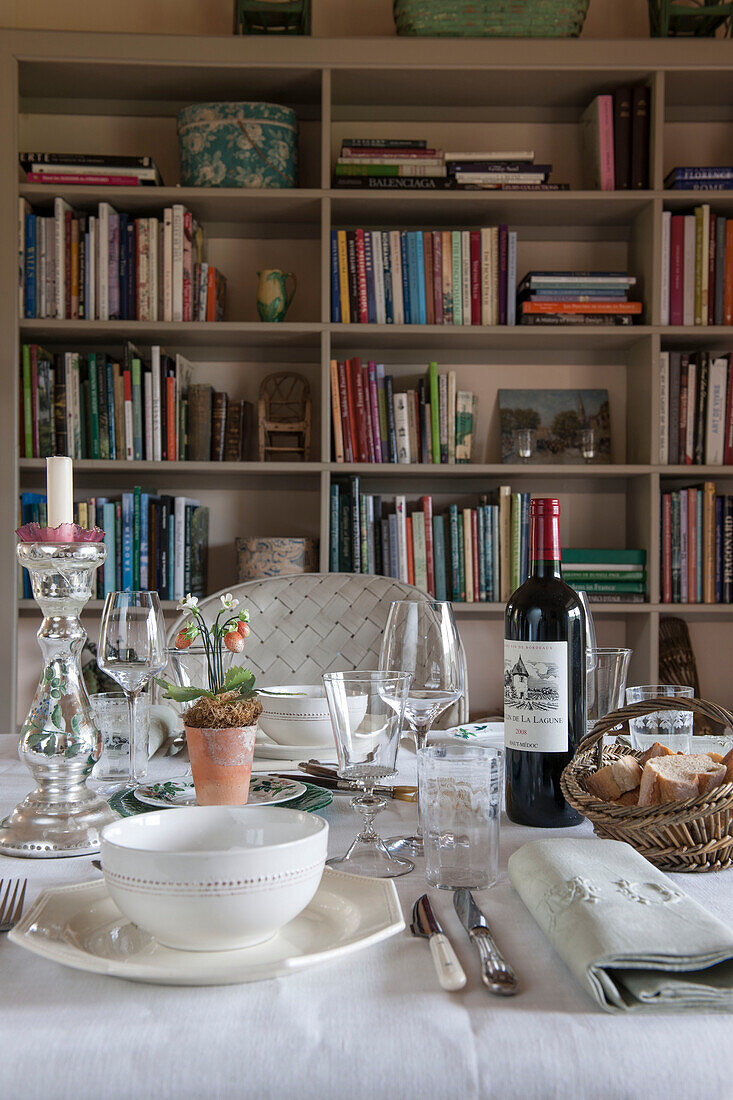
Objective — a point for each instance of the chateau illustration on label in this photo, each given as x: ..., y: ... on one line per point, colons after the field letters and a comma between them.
x: 531, y: 685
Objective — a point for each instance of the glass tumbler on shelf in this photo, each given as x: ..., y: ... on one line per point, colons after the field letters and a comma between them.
x: 671, y: 728
x: 524, y: 441
x: 367, y: 710
x: 421, y: 638
x: 587, y: 444
x: 460, y: 808
x: 132, y: 650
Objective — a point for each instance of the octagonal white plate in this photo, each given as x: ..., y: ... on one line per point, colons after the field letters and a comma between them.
x: 81, y: 927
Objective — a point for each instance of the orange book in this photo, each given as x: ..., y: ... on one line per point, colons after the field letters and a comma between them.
x: 581, y: 307
x: 728, y: 285
x: 338, y: 439
x: 170, y: 419
x: 708, y: 542
x: 410, y: 551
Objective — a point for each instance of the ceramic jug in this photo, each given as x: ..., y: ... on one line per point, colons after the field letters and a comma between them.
x: 273, y: 299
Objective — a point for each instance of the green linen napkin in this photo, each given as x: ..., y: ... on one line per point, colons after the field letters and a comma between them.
x: 631, y: 938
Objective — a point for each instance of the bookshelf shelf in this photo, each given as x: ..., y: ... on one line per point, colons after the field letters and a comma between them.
x: 286, y: 207
x: 121, y: 93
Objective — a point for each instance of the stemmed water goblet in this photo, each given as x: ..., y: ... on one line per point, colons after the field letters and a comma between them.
x: 132, y: 650
x: 367, y: 710
x: 421, y: 638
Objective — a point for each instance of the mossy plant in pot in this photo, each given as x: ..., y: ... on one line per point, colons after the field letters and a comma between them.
x: 221, y: 722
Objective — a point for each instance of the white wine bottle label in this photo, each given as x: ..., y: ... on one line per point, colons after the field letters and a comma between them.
x: 536, y: 696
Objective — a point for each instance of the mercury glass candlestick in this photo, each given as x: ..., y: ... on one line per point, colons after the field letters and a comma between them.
x: 59, y: 742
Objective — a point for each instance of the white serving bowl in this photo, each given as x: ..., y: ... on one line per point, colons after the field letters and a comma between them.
x: 214, y: 878
x: 297, y: 714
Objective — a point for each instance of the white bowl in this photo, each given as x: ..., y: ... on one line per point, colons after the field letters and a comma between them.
x: 297, y: 714
x: 214, y: 878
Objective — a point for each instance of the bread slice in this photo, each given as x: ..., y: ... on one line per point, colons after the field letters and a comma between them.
x: 728, y: 762
x: 615, y: 779
x: 656, y: 750
x: 676, y: 778
x: 631, y: 798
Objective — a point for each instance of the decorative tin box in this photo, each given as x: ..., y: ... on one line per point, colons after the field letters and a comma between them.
x: 238, y: 145
x: 264, y: 557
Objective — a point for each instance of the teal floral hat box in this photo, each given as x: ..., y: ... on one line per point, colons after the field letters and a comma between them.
x: 238, y: 145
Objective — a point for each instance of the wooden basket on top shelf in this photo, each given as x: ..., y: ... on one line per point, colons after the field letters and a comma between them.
x: 695, y: 835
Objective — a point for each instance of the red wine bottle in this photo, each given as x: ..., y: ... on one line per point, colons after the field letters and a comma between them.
x: 544, y: 679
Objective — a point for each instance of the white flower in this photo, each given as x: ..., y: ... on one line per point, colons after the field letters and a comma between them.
x: 190, y: 603
x: 228, y: 602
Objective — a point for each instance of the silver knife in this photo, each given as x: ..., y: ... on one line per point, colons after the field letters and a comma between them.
x: 450, y: 972
x: 496, y: 974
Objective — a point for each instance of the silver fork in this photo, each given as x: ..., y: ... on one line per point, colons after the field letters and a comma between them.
x: 11, y: 906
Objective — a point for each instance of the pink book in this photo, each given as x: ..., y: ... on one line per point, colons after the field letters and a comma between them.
x: 374, y: 409
x: 438, y: 276
x: 676, y: 268
x: 475, y: 277
x: 605, y: 121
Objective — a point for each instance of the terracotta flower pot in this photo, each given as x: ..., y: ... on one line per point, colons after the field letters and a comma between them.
x: 221, y: 762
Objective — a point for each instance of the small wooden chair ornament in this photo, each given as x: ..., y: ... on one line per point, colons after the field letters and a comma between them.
x: 285, y: 417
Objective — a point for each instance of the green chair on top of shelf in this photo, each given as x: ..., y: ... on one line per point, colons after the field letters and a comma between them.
x: 672, y: 18
x: 278, y: 17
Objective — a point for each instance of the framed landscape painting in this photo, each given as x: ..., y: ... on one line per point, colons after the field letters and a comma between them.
x: 555, y: 426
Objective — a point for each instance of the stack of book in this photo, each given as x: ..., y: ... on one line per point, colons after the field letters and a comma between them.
x: 607, y: 576
x: 576, y: 297
x: 110, y: 266
x: 136, y: 407
x: 477, y: 553
x: 154, y: 542
x: 440, y: 277
x: 697, y: 545
x: 96, y: 169
x: 695, y: 409
x: 432, y: 422
x: 699, y: 179
x: 616, y: 140
x: 365, y: 162
x: 500, y: 172
x: 697, y: 268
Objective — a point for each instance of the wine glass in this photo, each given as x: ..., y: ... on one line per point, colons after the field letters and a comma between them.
x: 367, y: 709
x: 422, y: 639
x: 590, y: 632
x: 132, y: 650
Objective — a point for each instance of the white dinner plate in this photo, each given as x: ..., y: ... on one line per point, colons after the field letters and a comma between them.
x: 81, y: 927
x: 480, y: 733
x: 264, y: 790
x: 265, y: 749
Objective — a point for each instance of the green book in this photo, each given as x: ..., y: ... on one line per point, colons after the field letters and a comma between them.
x: 137, y: 410
x: 439, y: 557
x: 136, y: 539
x: 516, y: 539
x: 418, y: 542
x: 614, y: 586
x: 344, y: 531
x: 432, y: 386
x: 455, y: 565
x: 85, y: 418
x: 578, y: 577
x: 93, y: 405
x: 457, y: 277
x: 383, y: 170
x: 27, y: 403
x: 363, y: 535
x: 602, y: 557
x: 461, y: 560
x: 199, y: 550
x: 333, y: 543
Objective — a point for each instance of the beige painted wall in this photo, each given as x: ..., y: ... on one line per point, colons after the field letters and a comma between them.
x: 331, y: 18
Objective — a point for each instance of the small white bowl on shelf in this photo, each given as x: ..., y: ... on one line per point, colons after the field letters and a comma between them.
x: 297, y: 714
x: 214, y: 878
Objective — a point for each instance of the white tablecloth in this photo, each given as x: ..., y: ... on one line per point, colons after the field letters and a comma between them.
x: 373, y: 1026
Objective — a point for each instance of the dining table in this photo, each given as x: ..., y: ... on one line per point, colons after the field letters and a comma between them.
x: 372, y: 1024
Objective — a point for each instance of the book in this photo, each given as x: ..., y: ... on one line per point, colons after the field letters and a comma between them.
x: 640, y: 108
x: 597, y: 129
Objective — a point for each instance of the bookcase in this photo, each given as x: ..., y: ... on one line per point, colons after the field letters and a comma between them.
x: 121, y: 93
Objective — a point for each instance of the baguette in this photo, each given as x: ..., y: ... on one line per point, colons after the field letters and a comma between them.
x: 676, y: 778
x: 654, y: 751
x: 615, y: 779
x: 630, y: 798
x: 728, y: 762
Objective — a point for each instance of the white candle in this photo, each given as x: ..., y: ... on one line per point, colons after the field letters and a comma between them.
x: 59, y: 491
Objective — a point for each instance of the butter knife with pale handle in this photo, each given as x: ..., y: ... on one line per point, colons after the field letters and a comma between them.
x: 424, y: 923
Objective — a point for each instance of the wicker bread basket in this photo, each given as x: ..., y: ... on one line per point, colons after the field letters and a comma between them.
x: 696, y: 835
